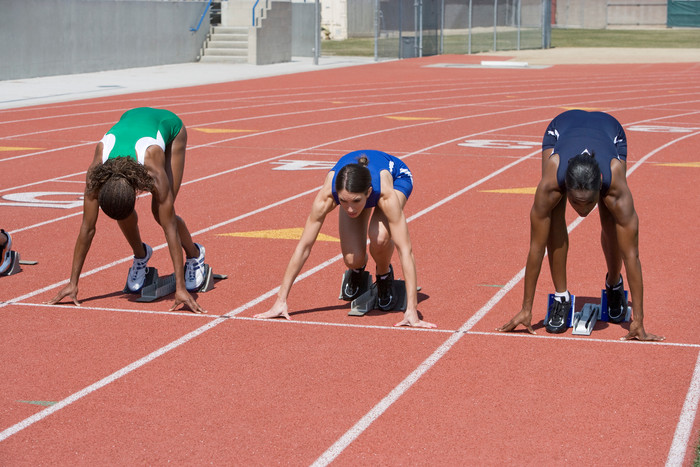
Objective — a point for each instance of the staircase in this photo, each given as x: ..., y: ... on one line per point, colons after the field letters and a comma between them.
x: 226, y: 44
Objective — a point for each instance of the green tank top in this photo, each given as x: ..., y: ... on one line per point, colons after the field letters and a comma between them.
x: 137, y: 130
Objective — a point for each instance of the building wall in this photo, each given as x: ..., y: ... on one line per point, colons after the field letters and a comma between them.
x: 56, y: 37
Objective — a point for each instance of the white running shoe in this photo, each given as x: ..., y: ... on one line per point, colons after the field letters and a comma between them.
x: 6, y: 258
x: 194, y: 270
x: 138, y: 271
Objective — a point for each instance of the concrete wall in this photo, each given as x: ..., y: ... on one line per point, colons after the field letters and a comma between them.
x: 56, y: 37
x: 601, y: 14
x: 239, y: 13
x: 271, y: 41
x: 303, y: 29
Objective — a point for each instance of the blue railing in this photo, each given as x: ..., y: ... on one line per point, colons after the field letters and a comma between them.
x: 201, y: 18
x: 254, y: 6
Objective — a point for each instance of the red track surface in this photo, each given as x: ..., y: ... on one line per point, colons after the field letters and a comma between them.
x: 131, y: 383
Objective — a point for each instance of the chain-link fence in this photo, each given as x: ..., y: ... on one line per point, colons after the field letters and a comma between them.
x: 415, y: 28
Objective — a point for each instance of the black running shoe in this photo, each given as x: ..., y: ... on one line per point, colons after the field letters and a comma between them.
x: 558, y: 312
x: 386, y: 301
x: 354, y: 284
x: 617, y: 303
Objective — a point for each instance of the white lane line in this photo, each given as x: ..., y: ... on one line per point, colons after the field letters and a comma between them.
x: 684, y: 428
x: 356, y: 430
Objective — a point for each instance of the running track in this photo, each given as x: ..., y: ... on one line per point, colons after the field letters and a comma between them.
x: 121, y: 382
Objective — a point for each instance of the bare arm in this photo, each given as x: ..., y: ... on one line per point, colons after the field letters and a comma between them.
x: 621, y: 205
x: 165, y: 199
x: 392, y: 208
x: 91, y: 210
x: 322, y: 205
x: 547, y: 196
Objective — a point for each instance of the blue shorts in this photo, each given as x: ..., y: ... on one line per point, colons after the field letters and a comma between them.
x: 404, y: 182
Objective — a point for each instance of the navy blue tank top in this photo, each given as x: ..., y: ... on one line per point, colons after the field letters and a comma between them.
x: 576, y: 132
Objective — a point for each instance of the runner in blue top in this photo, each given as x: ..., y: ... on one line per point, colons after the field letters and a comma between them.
x: 143, y: 151
x: 372, y: 188
x: 584, y: 160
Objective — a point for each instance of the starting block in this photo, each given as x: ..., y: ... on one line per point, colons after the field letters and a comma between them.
x: 13, y: 263
x: 584, y: 321
x: 366, y: 282
x: 368, y: 300
x: 604, y: 311
x: 570, y: 318
x: 155, y: 287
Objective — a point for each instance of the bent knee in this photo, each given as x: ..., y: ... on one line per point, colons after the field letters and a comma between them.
x: 355, y: 260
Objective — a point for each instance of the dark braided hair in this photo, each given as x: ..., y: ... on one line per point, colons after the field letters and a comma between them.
x: 354, y: 178
x: 117, y: 181
x: 583, y: 173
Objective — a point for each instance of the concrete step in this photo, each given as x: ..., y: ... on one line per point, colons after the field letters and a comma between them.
x: 226, y: 52
x: 227, y: 45
x: 230, y: 30
x: 223, y: 59
x: 228, y: 37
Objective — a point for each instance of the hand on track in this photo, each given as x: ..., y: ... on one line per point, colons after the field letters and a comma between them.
x: 524, y: 317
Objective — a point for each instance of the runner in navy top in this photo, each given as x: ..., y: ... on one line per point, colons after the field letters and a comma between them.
x: 584, y: 158
x: 372, y: 188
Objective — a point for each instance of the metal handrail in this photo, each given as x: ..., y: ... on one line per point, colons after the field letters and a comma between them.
x: 255, y: 5
x: 195, y: 29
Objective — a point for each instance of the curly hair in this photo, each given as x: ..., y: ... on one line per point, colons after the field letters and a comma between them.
x: 583, y: 173
x: 354, y: 178
x: 117, y: 181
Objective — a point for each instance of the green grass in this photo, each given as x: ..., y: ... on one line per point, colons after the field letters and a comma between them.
x: 483, y: 42
x: 640, y: 38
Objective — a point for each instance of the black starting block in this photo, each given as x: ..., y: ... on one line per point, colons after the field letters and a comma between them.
x: 14, y: 263
x: 366, y: 282
x: 584, y: 321
x: 368, y: 300
x: 155, y: 287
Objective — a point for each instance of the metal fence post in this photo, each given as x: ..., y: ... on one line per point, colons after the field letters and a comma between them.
x: 495, y: 22
x: 469, y: 35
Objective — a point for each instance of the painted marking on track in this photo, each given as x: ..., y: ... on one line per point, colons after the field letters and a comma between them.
x: 279, y: 234
x: 499, y: 144
x: 44, y: 403
x: 392, y: 117
x: 588, y: 109
x: 17, y: 148
x: 223, y: 130
x: 530, y: 190
x: 36, y: 199
x: 662, y: 129
x: 679, y: 164
x: 286, y: 164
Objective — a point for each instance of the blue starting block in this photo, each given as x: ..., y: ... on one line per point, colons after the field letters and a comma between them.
x: 569, y: 319
x: 605, y: 311
x: 584, y: 321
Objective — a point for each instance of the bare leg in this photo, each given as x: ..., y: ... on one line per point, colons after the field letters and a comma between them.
x: 608, y: 240
x: 558, y: 246
x: 130, y: 229
x: 353, y: 238
x: 381, y: 246
x: 175, y: 168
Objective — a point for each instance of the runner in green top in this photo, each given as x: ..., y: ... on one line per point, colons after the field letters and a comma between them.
x: 144, y: 151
